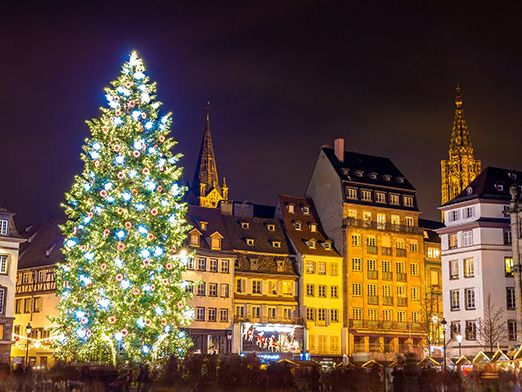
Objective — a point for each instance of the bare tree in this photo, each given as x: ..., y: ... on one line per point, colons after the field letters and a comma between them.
x: 492, y: 329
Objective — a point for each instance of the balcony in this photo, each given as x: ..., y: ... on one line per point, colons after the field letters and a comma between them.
x: 387, y: 300
x: 387, y: 275
x: 402, y: 301
x: 371, y: 249
x: 383, y: 226
x: 384, y: 325
x: 269, y: 320
x: 386, y: 251
x: 402, y: 276
x: 373, y: 274
x: 373, y: 299
x: 401, y: 252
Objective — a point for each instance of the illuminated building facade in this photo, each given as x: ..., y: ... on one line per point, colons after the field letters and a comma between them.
x: 9, y: 246
x: 206, y: 190
x: 461, y: 167
x: 320, y: 270
x: 369, y: 210
x: 36, y: 292
x: 477, y: 263
x: 515, y: 212
x: 266, y: 311
x: 212, y: 272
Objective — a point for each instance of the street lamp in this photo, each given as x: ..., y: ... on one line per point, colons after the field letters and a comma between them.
x: 459, y: 339
x: 28, y: 331
x: 444, y: 322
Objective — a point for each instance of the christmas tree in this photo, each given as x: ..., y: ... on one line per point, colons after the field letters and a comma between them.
x: 122, y: 294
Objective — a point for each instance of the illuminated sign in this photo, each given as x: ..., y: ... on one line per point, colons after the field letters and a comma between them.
x: 272, y: 338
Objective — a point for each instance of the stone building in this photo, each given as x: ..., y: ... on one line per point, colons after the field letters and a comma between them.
x: 461, y: 167
x: 515, y: 212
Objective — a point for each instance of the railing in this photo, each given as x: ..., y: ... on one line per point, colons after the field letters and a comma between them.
x: 268, y: 320
x: 387, y: 300
x: 359, y: 348
x: 401, y: 252
x: 373, y: 274
x: 371, y: 249
x: 373, y: 299
x: 387, y: 275
x: 402, y: 301
x: 384, y: 325
x: 402, y: 276
x: 385, y: 251
x: 383, y: 226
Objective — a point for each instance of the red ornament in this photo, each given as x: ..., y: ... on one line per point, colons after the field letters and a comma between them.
x: 136, y: 154
x: 148, y: 322
x: 120, y: 210
x: 128, y: 225
x: 105, y: 129
x: 124, y: 332
x: 152, y: 287
x: 118, y: 112
x: 90, y: 214
x: 120, y: 246
x: 121, y: 175
x: 154, y: 211
x: 117, y: 99
x: 128, y: 84
x: 134, y: 192
x: 117, y: 148
x: 119, y: 277
x: 146, y: 262
x: 150, y: 236
x: 83, y: 320
x: 89, y: 332
x: 146, y: 171
x: 97, y: 164
x: 163, y: 321
x: 103, y: 266
x: 136, y: 292
x: 161, y: 138
x: 103, y: 193
x: 111, y: 319
x: 106, y: 232
x: 160, y: 189
x: 169, y: 266
x: 83, y: 248
x: 180, y: 304
x: 165, y: 281
x: 144, y: 115
x: 132, y: 104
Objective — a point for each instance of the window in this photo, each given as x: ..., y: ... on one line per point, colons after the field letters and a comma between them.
x: 250, y: 242
x: 468, y: 212
x: 256, y: 287
x: 213, y: 265
x: 321, y: 314
x: 508, y: 263
x: 212, y: 289
x: 455, y: 299
x: 386, y: 291
x: 366, y: 195
x: 212, y: 314
x: 468, y: 268
x: 372, y: 290
x: 334, y: 342
x: 245, y: 225
x: 290, y: 208
x: 272, y: 313
x: 253, y: 264
x: 215, y: 241
x: 356, y: 264
x: 240, y: 311
x: 310, y: 290
x: 453, y: 241
x: 328, y: 245
x: 37, y: 303
x: 4, y: 227
x: 415, y: 317
x: 470, y: 298
x: 272, y: 287
x: 201, y: 289
x: 357, y: 313
x: 386, y: 266
x: 434, y: 277
x: 321, y: 268
x: 224, y: 290
x: 387, y: 315
x: 334, y: 269
x: 507, y: 237
x: 321, y: 290
x: 2, y: 301
x: 408, y: 201
x: 414, y: 269
x: 194, y: 238
x: 510, y: 298
x: 370, y: 240
x: 356, y: 239
x: 27, y: 305
x: 240, y: 286
x: 200, y: 314
x: 471, y: 330
x: 311, y: 244
x: 433, y: 253
x: 394, y: 199
x: 380, y: 197
x: 454, y: 329
x: 297, y: 225
x: 409, y: 221
x: 276, y: 244
x: 310, y: 313
x: 310, y: 267
x: 401, y: 291
x: 256, y: 311
x: 453, y: 215
x: 357, y: 289
x: 190, y: 263
x: 400, y: 266
x: 352, y: 214
x: 367, y: 218
x: 270, y: 227
x: 351, y: 193
x: 288, y: 288
x: 334, y: 291
x: 381, y: 221
x: 202, y: 264
x: 313, y: 227
x: 414, y: 246
x: 223, y: 315
x: 415, y: 293
x: 306, y: 210
x: 18, y: 306
x: 3, y: 264
x: 395, y: 220
x: 467, y: 238
x: 224, y: 266
x: 454, y: 269
x: 512, y: 330
x: 372, y: 314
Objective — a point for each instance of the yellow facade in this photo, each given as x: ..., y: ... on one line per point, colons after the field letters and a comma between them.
x: 385, y: 286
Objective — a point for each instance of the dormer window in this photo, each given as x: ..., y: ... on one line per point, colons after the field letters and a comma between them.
x: 195, y: 237
x: 386, y: 177
x: 280, y: 265
x: 245, y: 225
x: 499, y: 186
x: 215, y: 241
x: 408, y: 201
x: 270, y: 227
x: 203, y: 225
x: 253, y: 264
x: 313, y: 227
x: 306, y: 210
x: 345, y: 171
x: 297, y: 225
x: 276, y: 244
x: 373, y: 175
x: 250, y: 241
x: 291, y: 208
x: 400, y: 180
x: 328, y: 245
x: 512, y: 175
x: 311, y: 244
x: 4, y: 227
x: 359, y: 173
x: 469, y: 190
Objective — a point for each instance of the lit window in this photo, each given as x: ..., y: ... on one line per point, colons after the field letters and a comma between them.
x: 276, y: 244
x: 270, y: 227
x: 215, y: 241
x: 394, y: 199
x: 469, y: 270
x: 321, y: 268
x: 508, y: 263
x: 334, y: 267
x: 356, y: 239
x: 380, y: 197
x: 4, y: 227
x: 245, y: 225
x: 351, y: 193
x: 250, y: 242
x: 306, y: 210
x: 290, y: 208
x: 3, y: 264
x: 455, y: 299
x: 414, y: 269
x: 310, y: 267
x: 408, y: 201
x: 194, y: 238
x: 470, y: 299
x: 366, y: 195
x: 297, y: 225
x: 453, y: 241
x: 454, y: 269
x: 313, y: 227
x: 356, y: 264
x: 203, y: 225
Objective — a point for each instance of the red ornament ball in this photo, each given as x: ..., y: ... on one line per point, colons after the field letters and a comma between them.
x: 161, y: 138
x: 103, y: 193
x: 128, y: 225
x: 136, y: 154
x: 117, y: 148
x: 146, y: 171
x: 124, y: 332
x: 119, y: 277
x: 120, y: 246
x: 146, y: 262
x: 150, y: 236
x: 106, y: 232
x: 154, y: 211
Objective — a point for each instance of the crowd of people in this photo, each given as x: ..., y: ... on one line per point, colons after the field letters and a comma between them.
x: 236, y: 373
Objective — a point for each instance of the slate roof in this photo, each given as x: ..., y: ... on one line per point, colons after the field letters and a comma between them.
x: 354, y: 161
x: 301, y: 237
x: 215, y: 223
x: 44, y: 241
x: 492, y: 183
x: 429, y: 227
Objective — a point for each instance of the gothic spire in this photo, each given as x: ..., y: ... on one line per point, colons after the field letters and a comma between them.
x: 460, y: 142
x: 206, y: 177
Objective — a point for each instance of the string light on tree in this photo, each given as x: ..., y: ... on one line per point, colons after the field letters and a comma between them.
x: 121, y: 288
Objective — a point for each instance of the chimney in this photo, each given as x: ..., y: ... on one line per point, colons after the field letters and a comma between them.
x: 339, y: 149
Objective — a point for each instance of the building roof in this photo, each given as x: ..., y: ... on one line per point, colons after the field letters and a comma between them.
x: 492, y: 184
x: 214, y: 220
x: 241, y: 228
x: 43, y: 245
x: 301, y: 237
x: 372, y: 170
x: 460, y: 142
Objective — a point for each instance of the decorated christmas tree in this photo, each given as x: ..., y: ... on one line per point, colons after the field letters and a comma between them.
x: 122, y: 297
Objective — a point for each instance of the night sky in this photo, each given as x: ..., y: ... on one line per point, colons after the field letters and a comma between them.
x: 284, y: 78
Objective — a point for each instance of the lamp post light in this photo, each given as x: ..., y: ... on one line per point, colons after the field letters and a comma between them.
x: 443, y: 323
x: 459, y: 339
x: 28, y: 331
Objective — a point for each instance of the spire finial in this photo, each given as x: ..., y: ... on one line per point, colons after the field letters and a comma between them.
x: 208, y: 109
x: 458, y: 97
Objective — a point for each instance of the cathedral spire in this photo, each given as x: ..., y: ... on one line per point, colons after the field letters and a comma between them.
x: 461, y: 168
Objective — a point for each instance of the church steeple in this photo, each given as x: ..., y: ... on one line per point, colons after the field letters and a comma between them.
x: 205, y: 186
x: 461, y: 168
